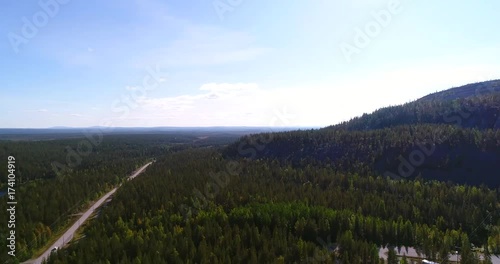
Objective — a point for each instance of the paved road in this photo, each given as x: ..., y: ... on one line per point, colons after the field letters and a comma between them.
x: 68, y: 235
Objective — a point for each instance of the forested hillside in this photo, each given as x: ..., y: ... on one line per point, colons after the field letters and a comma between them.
x: 432, y: 151
x: 469, y: 90
x: 452, y: 135
x: 480, y: 110
x: 421, y: 175
x: 196, y: 207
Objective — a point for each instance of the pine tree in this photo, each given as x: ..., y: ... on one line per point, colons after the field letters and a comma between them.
x: 404, y: 260
x: 392, y: 257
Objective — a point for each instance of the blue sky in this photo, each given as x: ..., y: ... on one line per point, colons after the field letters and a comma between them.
x: 234, y: 62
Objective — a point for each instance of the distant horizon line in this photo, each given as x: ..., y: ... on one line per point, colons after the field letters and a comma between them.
x: 152, y: 127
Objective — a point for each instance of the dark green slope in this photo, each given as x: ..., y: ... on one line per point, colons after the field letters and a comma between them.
x: 452, y: 135
x: 469, y: 106
x: 469, y: 90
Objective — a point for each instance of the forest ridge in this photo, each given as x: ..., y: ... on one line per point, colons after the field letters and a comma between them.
x: 326, y: 195
x: 454, y: 133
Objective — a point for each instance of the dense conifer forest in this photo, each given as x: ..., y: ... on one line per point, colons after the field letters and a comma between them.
x: 194, y: 206
x: 58, y: 178
x: 433, y: 137
x: 422, y: 175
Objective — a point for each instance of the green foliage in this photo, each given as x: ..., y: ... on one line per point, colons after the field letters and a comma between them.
x: 441, y: 152
x: 46, y: 201
x: 277, y: 197
x: 479, y: 110
x: 265, y: 213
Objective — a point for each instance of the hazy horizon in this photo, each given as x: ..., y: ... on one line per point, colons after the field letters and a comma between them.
x: 234, y: 63
x: 153, y: 127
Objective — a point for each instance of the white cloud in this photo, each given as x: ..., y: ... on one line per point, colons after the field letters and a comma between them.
x: 228, y: 87
x: 238, y: 104
x: 320, y: 104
